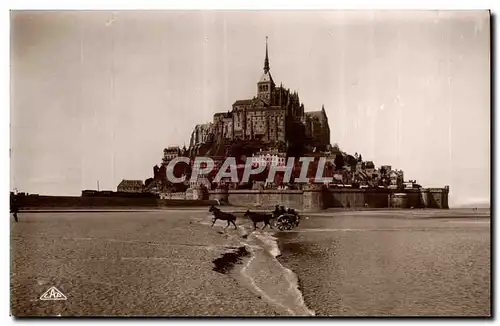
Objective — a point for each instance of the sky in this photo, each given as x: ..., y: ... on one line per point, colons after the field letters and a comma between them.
x: 96, y: 96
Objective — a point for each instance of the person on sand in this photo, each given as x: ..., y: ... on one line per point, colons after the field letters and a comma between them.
x: 15, y: 209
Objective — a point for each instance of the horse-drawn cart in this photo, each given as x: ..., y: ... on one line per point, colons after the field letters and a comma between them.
x: 287, y: 221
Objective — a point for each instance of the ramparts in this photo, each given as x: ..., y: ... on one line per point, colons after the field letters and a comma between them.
x: 311, y: 198
x: 67, y: 202
x: 316, y: 197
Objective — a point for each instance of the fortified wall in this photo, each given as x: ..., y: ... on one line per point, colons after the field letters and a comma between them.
x: 315, y: 197
x: 312, y: 198
x: 78, y: 203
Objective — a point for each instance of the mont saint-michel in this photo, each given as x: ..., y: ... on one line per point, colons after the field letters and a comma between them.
x: 268, y: 129
x: 250, y: 163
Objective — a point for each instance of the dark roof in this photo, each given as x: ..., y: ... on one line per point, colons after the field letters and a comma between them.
x: 171, y: 149
x: 243, y: 102
x: 131, y: 183
x: 316, y: 114
x: 223, y: 114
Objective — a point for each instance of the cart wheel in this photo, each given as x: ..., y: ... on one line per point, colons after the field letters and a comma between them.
x: 281, y: 227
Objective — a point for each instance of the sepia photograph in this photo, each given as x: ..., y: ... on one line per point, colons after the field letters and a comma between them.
x: 250, y: 163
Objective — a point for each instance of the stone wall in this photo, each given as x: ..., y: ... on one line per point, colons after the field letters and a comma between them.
x: 174, y: 195
x: 67, y: 202
x: 414, y: 198
x: 437, y: 197
x: 399, y: 200
x: 315, y: 197
x: 344, y: 197
x: 162, y: 203
x: 220, y: 195
x: 311, y: 198
x: 261, y: 198
x: 377, y: 198
x: 371, y: 198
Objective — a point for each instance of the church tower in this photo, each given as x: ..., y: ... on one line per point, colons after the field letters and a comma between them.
x: 265, y: 86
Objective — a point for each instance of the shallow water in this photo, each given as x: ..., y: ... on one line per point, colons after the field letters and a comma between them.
x: 228, y: 260
x: 264, y: 275
x: 391, y: 266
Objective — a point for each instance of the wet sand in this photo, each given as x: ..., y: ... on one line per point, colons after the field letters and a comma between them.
x: 172, y: 263
x: 392, y: 263
x: 125, y: 264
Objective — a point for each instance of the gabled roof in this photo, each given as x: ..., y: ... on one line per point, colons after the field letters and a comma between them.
x: 395, y: 172
x: 258, y: 99
x: 242, y: 102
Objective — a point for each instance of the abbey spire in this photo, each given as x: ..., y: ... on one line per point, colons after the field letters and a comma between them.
x: 265, y: 86
x: 266, y: 61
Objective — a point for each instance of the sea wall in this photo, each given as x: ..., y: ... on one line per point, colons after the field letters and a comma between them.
x: 399, y: 200
x: 347, y: 198
x: 174, y: 195
x: 311, y: 198
x: 435, y: 197
x: 260, y: 198
x: 67, y: 202
x: 316, y: 197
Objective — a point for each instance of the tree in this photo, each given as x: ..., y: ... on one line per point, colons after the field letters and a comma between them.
x: 339, y: 162
x: 148, y: 181
x: 360, y: 158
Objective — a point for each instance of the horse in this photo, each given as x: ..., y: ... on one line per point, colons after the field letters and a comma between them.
x: 220, y: 215
x: 259, y: 217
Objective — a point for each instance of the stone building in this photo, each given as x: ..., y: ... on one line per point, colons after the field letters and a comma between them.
x: 396, y: 178
x: 317, y: 130
x: 201, y: 134
x: 270, y: 157
x: 275, y: 117
x: 169, y: 154
x: 369, y: 167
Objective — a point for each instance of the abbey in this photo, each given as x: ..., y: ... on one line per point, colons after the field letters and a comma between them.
x: 274, y: 117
